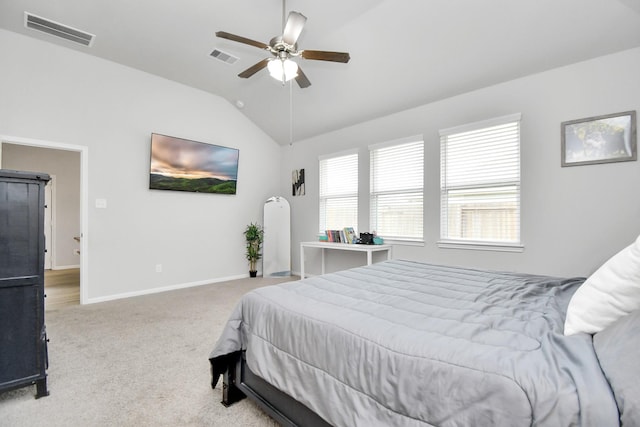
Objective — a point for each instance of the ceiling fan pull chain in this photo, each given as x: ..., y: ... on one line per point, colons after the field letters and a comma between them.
x: 290, y: 112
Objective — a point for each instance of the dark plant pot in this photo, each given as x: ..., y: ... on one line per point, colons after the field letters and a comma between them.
x: 253, y: 273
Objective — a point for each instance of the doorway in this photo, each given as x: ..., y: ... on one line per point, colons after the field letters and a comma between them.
x: 67, y: 255
x: 62, y: 286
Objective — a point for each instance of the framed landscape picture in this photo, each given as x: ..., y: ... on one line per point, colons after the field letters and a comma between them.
x: 183, y: 165
x: 602, y: 139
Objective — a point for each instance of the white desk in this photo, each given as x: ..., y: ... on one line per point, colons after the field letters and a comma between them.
x: 369, y: 249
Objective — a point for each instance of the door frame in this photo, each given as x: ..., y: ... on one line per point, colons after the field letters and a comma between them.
x: 84, y: 198
x: 50, y: 230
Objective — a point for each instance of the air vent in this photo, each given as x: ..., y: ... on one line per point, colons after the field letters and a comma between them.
x: 56, y: 29
x: 224, y: 57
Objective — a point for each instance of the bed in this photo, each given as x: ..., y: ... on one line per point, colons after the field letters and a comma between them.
x: 404, y: 343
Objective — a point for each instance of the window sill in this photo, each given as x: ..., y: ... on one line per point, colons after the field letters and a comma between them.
x: 481, y: 246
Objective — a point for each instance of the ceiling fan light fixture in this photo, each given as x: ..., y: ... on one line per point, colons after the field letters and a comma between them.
x: 284, y: 47
x: 283, y: 70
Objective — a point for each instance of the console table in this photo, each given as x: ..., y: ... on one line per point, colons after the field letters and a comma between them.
x: 369, y: 249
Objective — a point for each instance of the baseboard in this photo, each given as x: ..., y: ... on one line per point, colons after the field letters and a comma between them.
x: 65, y: 267
x: 164, y: 289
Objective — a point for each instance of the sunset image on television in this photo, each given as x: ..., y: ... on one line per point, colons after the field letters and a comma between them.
x: 183, y: 165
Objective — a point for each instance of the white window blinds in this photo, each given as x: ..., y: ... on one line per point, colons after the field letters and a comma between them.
x: 339, y: 192
x: 480, y: 182
x: 397, y: 180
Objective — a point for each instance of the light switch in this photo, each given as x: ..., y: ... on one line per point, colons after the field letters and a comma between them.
x: 101, y: 203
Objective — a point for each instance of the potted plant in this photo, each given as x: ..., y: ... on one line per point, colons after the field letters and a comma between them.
x: 253, y: 234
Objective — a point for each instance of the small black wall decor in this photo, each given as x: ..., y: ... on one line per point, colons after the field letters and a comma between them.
x: 297, y: 182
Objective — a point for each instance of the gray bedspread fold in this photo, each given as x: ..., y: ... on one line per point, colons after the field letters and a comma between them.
x: 411, y: 344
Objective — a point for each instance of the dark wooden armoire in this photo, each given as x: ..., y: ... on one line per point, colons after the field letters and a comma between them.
x: 23, y: 338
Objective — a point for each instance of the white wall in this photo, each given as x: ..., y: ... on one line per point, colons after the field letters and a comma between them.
x: 55, y: 94
x: 65, y: 166
x: 573, y: 218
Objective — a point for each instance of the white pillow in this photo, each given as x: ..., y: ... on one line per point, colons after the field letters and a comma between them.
x: 608, y: 294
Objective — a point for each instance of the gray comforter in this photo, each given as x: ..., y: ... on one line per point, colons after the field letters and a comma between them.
x: 403, y: 343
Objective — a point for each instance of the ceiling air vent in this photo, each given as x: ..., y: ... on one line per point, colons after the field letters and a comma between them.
x: 56, y: 29
x: 223, y: 56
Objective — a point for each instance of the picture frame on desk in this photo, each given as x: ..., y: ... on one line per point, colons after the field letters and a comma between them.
x: 350, y: 235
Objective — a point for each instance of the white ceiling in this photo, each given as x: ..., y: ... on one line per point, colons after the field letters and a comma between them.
x: 404, y: 53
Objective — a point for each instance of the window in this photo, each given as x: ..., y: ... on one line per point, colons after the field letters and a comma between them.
x: 397, y: 181
x: 480, y: 184
x: 339, y: 192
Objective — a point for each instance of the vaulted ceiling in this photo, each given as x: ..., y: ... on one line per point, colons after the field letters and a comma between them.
x: 404, y: 53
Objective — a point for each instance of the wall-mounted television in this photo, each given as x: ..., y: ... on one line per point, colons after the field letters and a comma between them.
x: 183, y: 165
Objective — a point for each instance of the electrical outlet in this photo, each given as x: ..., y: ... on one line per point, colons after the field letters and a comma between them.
x: 158, y: 268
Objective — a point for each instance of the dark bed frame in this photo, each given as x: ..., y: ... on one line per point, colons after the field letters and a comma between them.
x: 239, y: 382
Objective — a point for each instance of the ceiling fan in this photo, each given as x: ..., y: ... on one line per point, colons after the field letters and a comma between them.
x: 283, y: 48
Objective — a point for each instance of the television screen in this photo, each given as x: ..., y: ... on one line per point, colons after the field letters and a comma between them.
x: 183, y: 165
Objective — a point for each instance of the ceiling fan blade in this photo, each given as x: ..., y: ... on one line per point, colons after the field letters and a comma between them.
x: 254, y: 69
x: 323, y: 55
x: 233, y: 37
x: 302, y: 79
x: 293, y: 28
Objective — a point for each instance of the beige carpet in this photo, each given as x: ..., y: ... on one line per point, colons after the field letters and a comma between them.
x: 136, y: 362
